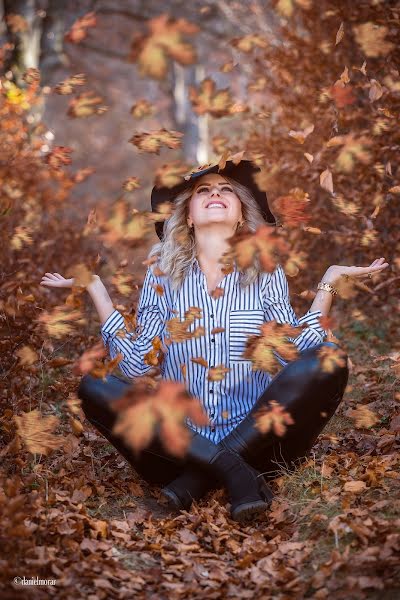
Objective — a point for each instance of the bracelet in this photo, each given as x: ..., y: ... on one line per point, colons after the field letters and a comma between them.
x: 327, y: 287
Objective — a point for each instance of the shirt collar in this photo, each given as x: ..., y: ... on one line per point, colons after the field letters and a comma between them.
x: 195, y: 266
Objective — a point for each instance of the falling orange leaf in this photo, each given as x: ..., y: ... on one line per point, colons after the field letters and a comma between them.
x: 36, y: 432
x: 362, y: 416
x: 273, y: 417
x: 79, y: 29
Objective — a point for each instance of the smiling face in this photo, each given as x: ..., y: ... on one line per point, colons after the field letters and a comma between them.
x: 213, y: 202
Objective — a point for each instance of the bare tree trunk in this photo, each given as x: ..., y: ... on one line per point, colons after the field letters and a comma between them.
x: 27, y: 43
x: 195, y: 127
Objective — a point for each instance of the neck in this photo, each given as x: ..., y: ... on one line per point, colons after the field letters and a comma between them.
x: 210, y: 246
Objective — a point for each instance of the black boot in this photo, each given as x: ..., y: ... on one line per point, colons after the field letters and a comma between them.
x: 192, y: 484
x: 246, y: 499
x: 249, y: 494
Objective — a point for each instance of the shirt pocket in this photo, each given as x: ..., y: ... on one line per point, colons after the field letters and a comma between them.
x: 243, y: 323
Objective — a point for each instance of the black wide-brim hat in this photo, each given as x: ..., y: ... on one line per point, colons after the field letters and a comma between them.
x: 243, y: 173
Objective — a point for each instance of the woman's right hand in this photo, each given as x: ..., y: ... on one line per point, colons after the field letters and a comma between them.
x: 56, y: 280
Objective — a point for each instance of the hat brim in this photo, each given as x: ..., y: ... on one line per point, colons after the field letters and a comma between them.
x: 242, y: 172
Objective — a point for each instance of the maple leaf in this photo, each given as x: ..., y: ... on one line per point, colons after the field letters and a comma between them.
x: 261, y: 349
x: 274, y: 417
x: 141, y: 108
x: 36, y: 432
x: 17, y: 23
x: 301, y: 136
x: 79, y: 29
x: 100, y: 371
x: 86, y: 104
x: 60, y: 155
x: 178, y: 330
x: 347, y: 207
x: 296, y: 260
x: 164, y: 41
x: 200, y: 361
x: 83, y: 174
x: 219, y: 143
x: 342, y: 95
x: 32, y: 77
x: 371, y: 38
x: 264, y: 244
x: 163, y: 410
x: 209, y: 100
x: 89, y: 358
x: 81, y: 274
x: 170, y: 174
x: 246, y: 43
x: 68, y: 85
x: 152, y: 142
x: 330, y: 358
x: 363, y: 416
x: 128, y: 229
x: 123, y: 283
x: 292, y: 207
x: 27, y: 355
x: 22, y: 235
x: 217, y: 373
x: 57, y: 323
x: 155, y: 357
x: 131, y: 184
x: 352, y: 148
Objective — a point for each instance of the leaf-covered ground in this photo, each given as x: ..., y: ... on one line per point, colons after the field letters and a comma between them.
x: 84, y: 517
x: 313, y: 94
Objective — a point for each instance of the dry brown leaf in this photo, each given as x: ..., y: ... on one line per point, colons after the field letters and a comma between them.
x: 36, y: 432
x: 326, y: 181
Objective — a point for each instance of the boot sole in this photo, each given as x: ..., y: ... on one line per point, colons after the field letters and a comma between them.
x: 245, y: 512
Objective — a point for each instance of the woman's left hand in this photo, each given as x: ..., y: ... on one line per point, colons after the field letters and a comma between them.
x: 335, y: 272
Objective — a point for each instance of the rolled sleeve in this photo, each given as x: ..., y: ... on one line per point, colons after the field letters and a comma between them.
x: 150, y: 322
x: 277, y: 307
x: 114, y: 322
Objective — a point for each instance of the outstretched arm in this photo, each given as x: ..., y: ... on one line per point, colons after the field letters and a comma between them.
x: 323, y: 300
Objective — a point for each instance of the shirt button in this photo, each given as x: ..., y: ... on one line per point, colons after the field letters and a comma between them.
x: 211, y: 391
x: 212, y: 316
x: 213, y: 339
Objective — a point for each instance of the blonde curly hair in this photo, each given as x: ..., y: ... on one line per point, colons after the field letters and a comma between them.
x: 177, y: 251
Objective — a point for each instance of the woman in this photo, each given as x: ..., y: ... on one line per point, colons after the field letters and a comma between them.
x: 209, y: 206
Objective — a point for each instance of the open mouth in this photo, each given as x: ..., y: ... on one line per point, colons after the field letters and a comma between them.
x: 214, y: 204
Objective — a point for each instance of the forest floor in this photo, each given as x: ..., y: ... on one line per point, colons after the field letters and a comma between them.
x: 332, y: 529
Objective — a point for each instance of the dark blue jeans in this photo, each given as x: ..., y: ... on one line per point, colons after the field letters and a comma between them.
x: 308, y: 393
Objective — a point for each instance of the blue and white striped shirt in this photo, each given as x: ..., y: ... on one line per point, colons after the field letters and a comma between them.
x: 239, y: 311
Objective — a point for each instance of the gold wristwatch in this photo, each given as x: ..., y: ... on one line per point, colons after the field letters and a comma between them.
x: 327, y: 287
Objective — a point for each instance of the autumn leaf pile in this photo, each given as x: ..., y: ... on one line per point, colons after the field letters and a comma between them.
x: 321, y: 120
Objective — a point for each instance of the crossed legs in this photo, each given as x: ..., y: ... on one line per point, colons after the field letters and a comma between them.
x: 308, y: 393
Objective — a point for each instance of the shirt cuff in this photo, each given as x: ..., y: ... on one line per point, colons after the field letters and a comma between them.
x: 311, y: 318
x: 114, y: 322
